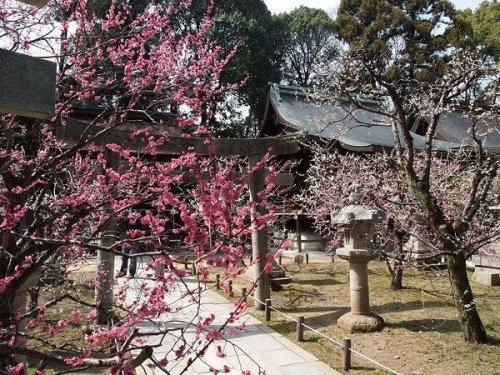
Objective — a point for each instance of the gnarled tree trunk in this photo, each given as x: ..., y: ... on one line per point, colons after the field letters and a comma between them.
x: 472, y: 326
x: 397, y: 275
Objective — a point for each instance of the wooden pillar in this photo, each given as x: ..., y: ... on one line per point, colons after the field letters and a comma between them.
x: 346, y: 357
x: 19, y: 304
x: 300, y: 328
x: 298, y: 233
x: 256, y: 184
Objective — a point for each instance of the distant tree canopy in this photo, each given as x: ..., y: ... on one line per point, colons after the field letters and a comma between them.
x: 306, y: 42
x: 249, y: 25
x: 485, y: 24
x: 404, y: 39
x: 291, y: 47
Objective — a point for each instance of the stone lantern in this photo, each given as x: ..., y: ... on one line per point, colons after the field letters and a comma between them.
x: 487, y: 266
x: 358, y: 222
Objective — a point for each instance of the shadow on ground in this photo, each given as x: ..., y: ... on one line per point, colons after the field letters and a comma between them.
x: 321, y: 282
x: 407, y: 306
x: 317, y: 322
x: 428, y: 325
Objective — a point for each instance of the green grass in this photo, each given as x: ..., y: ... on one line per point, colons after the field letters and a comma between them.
x: 422, y: 334
x: 72, y: 334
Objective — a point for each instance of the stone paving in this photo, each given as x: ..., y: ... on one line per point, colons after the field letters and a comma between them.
x: 256, y: 349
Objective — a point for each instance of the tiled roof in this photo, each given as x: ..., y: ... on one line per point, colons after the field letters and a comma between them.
x: 359, y: 129
x: 456, y: 127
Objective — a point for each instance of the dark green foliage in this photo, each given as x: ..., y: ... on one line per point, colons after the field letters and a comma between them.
x: 307, y: 41
x: 403, y: 39
x: 248, y: 25
x: 485, y: 24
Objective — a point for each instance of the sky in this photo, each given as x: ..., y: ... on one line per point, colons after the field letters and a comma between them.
x: 330, y: 6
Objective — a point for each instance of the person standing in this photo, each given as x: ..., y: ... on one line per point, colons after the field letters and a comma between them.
x: 131, y: 263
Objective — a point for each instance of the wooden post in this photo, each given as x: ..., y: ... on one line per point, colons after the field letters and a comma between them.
x: 300, y: 329
x: 194, y: 268
x: 185, y: 262
x: 279, y: 260
x: 268, y: 309
x: 217, y: 281
x: 259, y: 237
x: 346, y: 358
x: 244, y: 292
x: 307, y: 258
x: 159, y: 271
x: 19, y: 304
x: 298, y: 234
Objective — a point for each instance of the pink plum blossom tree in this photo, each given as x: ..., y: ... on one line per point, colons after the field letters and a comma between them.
x: 62, y: 198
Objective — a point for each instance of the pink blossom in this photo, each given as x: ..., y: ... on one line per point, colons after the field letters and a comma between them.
x: 15, y: 370
x: 268, y: 267
x: 5, y: 282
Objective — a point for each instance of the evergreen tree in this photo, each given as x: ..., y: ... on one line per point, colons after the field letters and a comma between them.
x: 307, y: 43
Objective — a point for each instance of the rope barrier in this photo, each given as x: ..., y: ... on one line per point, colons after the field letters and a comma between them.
x: 374, y: 361
x: 323, y: 335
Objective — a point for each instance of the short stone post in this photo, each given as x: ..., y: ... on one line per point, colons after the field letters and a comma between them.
x: 267, y: 309
x: 346, y: 354
x: 357, y: 221
x: 217, y: 281
x: 300, y: 328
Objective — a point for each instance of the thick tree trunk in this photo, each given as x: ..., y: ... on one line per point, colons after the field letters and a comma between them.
x: 472, y: 327
x: 397, y: 275
x: 6, y: 315
x: 105, y: 275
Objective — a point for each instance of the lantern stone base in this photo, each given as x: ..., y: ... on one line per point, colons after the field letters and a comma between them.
x: 360, y: 323
x: 487, y: 276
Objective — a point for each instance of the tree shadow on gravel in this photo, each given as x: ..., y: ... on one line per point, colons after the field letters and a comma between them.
x: 407, y: 306
x: 316, y: 282
x: 428, y: 325
x: 316, y: 322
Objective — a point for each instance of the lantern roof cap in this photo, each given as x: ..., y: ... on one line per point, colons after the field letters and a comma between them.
x: 357, y: 212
